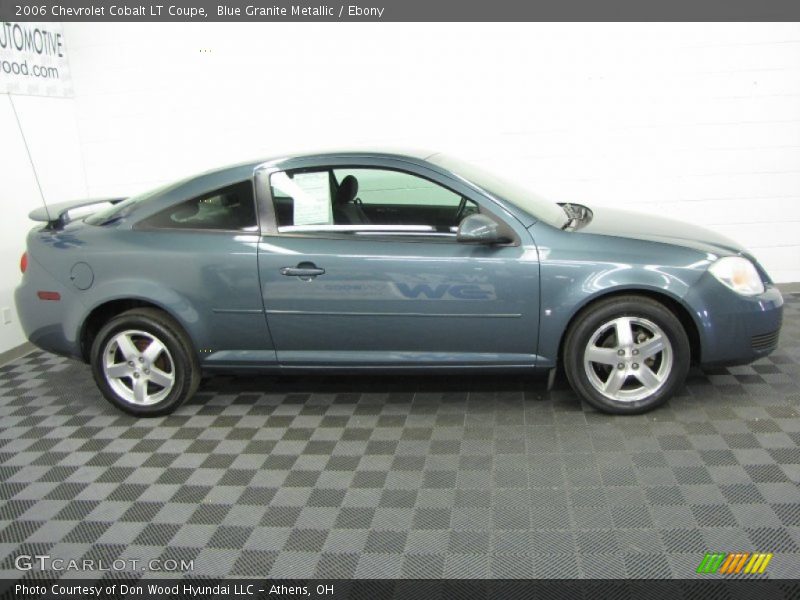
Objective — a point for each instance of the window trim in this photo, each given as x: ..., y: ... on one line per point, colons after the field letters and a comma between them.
x: 357, y: 228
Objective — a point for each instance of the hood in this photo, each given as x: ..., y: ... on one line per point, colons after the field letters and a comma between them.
x: 641, y: 226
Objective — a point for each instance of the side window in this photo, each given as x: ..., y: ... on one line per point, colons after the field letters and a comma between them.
x: 366, y: 200
x: 230, y: 208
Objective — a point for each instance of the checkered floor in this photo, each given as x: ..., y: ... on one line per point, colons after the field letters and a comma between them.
x: 421, y: 477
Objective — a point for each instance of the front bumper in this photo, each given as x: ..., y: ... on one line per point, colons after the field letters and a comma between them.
x: 734, y: 329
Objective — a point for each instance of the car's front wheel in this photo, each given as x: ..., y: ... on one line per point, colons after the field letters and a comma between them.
x: 626, y: 355
x: 143, y: 363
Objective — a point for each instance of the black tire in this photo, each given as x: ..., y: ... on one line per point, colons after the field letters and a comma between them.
x: 592, y: 318
x: 183, y: 363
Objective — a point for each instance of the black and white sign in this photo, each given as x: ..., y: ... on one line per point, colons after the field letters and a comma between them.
x: 33, y: 60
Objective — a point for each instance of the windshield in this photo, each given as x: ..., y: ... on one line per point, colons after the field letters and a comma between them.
x: 536, y: 206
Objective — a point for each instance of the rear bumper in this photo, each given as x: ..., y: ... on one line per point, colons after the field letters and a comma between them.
x: 734, y: 329
x: 44, y: 321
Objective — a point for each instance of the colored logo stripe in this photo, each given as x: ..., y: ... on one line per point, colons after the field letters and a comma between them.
x: 758, y: 564
x: 711, y: 562
x: 734, y: 562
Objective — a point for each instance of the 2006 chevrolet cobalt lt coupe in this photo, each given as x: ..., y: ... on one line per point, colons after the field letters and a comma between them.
x: 378, y: 261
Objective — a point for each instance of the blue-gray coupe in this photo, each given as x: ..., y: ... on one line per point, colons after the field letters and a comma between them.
x: 383, y: 261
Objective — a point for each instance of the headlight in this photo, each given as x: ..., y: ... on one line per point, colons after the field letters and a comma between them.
x: 739, y: 274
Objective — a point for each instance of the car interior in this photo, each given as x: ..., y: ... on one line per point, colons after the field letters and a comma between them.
x: 390, y: 198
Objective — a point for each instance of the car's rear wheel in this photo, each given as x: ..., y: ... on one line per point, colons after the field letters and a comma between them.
x: 626, y: 355
x: 143, y: 363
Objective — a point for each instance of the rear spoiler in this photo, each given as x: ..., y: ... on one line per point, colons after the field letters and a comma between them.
x: 57, y: 215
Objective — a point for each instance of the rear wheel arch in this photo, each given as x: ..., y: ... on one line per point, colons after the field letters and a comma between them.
x: 144, y: 362
x: 675, y: 306
x: 102, y: 313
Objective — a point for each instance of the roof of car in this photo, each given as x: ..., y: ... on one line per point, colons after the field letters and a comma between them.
x: 419, y: 154
x: 415, y: 154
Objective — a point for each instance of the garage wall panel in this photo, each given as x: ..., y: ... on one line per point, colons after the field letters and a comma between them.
x: 701, y: 121
x: 50, y: 128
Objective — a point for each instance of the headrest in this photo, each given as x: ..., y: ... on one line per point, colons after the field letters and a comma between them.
x: 347, y: 191
x: 229, y: 200
x: 186, y: 212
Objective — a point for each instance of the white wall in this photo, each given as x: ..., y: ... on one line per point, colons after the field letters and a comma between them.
x: 50, y: 127
x: 699, y: 121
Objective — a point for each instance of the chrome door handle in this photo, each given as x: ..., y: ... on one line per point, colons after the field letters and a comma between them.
x: 302, y: 272
x: 305, y: 271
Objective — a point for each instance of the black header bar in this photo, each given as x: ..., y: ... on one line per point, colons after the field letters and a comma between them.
x: 398, y: 10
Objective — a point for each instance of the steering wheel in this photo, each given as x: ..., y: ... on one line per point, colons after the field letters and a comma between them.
x: 462, y: 207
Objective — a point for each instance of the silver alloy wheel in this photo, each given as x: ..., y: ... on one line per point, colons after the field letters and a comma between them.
x: 628, y: 359
x: 138, y: 367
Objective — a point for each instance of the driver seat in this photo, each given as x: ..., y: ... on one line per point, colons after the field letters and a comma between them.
x: 346, y: 206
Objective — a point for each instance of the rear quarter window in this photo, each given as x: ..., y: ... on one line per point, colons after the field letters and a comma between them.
x: 231, y: 208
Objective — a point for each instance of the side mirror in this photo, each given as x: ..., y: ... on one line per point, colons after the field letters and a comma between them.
x: 480, y: 229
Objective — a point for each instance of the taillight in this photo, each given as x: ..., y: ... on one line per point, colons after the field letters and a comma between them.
x: 43, y: 295
x: 23, y: 262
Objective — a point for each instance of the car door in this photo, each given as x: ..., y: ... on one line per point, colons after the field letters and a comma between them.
x: 203, y: 251
x: 387, y: 284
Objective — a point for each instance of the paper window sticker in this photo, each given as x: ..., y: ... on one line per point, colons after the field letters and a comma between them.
x: 312, y: 199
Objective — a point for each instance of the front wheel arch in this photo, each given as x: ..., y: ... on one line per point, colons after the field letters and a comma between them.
x: 630, y: 387
x: 676, y: 307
